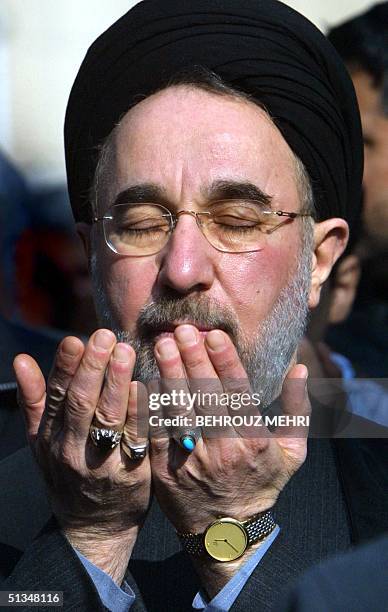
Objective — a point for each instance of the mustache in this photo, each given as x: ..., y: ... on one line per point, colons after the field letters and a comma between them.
x: 202, y: 312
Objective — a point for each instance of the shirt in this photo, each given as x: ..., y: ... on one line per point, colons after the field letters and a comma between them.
x: 118, y: 599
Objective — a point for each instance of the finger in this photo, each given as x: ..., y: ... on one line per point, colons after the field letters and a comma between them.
x: 204, y: 382
x: 295, y: 403
x: 242, y: 407
x: 174, y: 396
x: 169, y: 360
x: 173, y: 383
x: 85, y: 388
x: 111, y: 411
x: 65, y: 366
x: 136, y: 427
x: 31, y: 392
x: 224, y: 357
x: 201, y: 375
x: 229, y: 368
x: 193, y: 353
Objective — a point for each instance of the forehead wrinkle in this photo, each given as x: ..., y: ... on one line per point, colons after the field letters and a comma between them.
x: 178, y: 184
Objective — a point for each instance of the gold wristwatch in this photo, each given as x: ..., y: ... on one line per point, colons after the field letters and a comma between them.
x: 226, y: 539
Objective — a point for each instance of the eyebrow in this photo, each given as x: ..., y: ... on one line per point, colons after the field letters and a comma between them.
x: 219, y: 190
x: 144, y: 192
x: 231, y: 190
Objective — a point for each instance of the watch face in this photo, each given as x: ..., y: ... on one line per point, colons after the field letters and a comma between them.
x: 225, y: 540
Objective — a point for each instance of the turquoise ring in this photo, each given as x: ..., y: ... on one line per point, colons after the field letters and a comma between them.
x: 189, y: 439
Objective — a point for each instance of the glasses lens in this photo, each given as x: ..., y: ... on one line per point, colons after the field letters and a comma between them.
x: 236, y: 226
x: 137, y: 229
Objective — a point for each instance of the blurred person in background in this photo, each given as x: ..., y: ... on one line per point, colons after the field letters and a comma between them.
x: 367, y: 398
x: 14, y: 196
x: 364, y: 397
x: 363, y: 338
x: 14, y: 335
x: 356, y: 581
x: 44, y: 285
x: 44, y: 282
x: 53, y: 289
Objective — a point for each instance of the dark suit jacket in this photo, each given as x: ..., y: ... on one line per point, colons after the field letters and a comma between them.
x: 16, y: 338
x: 353, y: 582
x: 338, y: 497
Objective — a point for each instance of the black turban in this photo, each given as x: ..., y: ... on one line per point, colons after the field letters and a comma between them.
x: 261, y: 47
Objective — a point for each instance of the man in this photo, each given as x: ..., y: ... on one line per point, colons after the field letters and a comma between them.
x: 362, y: 42
x: 355, y: 581
x: 367, y: 398
x: 15, y: 338
x: 197, y: 217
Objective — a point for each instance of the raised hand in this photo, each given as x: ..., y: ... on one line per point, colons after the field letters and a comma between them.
x: 230, y: 474
x: 234, y: 473
x: 100, y: 497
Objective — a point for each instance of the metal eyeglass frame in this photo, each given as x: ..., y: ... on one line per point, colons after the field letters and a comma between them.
x: 174, y: 220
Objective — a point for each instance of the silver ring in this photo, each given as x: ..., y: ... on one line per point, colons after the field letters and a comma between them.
x: 105, y: 438
x: 136, y: 453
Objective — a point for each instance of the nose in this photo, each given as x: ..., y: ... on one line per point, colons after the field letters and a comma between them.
x: 187, y: 261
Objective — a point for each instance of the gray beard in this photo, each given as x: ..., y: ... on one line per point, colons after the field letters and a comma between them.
x: 266, y: 357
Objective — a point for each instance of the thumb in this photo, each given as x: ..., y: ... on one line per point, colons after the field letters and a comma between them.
x: 31, y: 392
x: 296, y: 406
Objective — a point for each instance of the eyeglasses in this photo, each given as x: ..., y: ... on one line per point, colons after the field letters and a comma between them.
x: 232, y: 226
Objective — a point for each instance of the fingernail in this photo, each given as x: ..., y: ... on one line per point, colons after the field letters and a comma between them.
x: 103, y: 339
x: 186, y: 334
x: 167, y: 349
x: 216, y: 340
x: 121, y: 353
x: 305, y: 373
x: 69, y: 347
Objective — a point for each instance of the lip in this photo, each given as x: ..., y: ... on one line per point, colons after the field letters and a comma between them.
x: 168, y: 330
x: 167, y: 334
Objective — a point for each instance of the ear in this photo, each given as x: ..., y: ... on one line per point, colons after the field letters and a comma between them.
x: 83, y: 231
x: 346, y: 278
x: 330, y: 240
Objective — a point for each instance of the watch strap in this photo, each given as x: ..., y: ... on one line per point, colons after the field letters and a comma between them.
x: 192, y: 543
x: 257, y: 528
